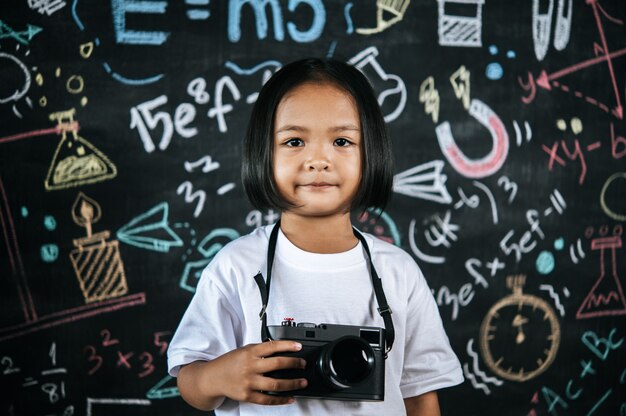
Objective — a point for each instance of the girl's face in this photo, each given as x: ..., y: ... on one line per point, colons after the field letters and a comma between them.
x: 317, y: 149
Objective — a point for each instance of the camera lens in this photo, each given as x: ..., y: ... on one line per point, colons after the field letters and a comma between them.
x: 346, y: 361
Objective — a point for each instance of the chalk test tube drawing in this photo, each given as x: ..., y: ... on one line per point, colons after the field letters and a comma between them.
x: 96, y: 261
x: 380, y: 224
x: 76, y: 161
x: 366, y: 59
x: 520, y: 334
x: 491, y: 162
x: 151, y: 230
x: 542, y: 25
x: 424, y: 181
x: 460, y: 22
x: 606, y: 297
x: 394, y: 9
x: 32, y: 320
x: 602, y: 55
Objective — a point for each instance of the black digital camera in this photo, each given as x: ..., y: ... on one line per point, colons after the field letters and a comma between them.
x: 343, y: 362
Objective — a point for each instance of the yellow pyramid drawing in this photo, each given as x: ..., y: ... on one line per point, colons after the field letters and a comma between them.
x: 76, y: 161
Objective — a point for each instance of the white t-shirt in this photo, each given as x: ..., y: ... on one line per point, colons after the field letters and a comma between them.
x: 318, y: 288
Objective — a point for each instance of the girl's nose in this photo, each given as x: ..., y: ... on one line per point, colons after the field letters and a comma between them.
x: 317, y: 158
x: 317, y: 164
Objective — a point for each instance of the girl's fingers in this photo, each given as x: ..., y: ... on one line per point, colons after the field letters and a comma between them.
x: 279, y: 363
x: 278, y: 384
x: 265, y: 349
x: 266, y: 399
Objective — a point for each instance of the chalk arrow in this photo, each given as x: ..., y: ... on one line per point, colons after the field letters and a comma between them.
x: 543, y: 81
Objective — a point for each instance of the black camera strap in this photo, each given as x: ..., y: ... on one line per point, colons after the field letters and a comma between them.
x: 264, y: 287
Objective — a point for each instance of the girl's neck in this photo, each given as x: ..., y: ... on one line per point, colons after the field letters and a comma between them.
x: 324, y: 235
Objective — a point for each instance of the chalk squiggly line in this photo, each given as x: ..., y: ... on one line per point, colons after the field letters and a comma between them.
x: 554, y: 296
x: 477, y: 370
x: 475, y: 383
x: 346, y: 15
x: 241, y: 71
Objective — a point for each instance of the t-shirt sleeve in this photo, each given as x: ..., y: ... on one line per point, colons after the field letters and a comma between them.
x: 429, y: 361
x: 208, y: 328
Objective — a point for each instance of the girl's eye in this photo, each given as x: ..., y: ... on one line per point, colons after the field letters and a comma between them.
x: 341, y: 142
x: 294, y: 142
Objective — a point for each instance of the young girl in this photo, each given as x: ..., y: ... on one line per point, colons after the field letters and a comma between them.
x: 316, y: 149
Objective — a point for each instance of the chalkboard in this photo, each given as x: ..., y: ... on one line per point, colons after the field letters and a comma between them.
x: 120, y: 139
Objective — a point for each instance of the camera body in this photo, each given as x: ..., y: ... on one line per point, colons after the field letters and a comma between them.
x: 343, y: 362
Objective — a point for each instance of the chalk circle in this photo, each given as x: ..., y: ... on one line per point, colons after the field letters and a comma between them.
x: 49, y: 253
x: 16, y: 93
x: 86, y: 49
x: 75, y: 84
x: 50, y: 222
x: 608, y: 211
x: 561, y: 124
x: 24, y: 212
x: 545, y: 262
x: 494, y: 71
x: 577, y: 125
x: 559, y: 243
x: 43, y: 101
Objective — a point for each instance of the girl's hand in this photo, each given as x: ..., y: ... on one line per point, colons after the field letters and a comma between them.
x: 240, y: 373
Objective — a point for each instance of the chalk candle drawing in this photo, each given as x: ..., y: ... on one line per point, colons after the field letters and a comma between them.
x: 76, y: 161
x: 520, y: 334
x: 490, y: 163
x: 463, y: 29
x: 603, y: 55
x: 606, y: 297
x: 32, y: 320
x: 384, y: 8
x: 97, y: 262
x: 542, y: 26
x: 367, y: 57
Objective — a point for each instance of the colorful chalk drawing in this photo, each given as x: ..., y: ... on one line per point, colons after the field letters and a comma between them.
x: 542, y: 26
x: 208, y: 247
x: 366, y: 61
x: 547, y: 80
x: 76, y: 161
x: 32, y: 320
x: 606, y: 297
x: 462, y: 29
x: 490, y: 163
x: 384, y: 9
x: 425, y: 181
x: 380, y: 224
x: 527, y: 331
x: 96, y: 403
x: 151, y: 230
x: 96, y: 261
x: 162, y: 390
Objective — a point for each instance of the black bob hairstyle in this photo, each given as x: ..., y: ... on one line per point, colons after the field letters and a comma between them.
x: 257, y: 173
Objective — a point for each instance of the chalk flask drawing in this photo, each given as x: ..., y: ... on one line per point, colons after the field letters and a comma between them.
x: 96, y: 261
x: 76, y: 161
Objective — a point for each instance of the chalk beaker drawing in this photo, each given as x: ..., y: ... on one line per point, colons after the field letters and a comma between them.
x: 76, y: 161
x: 606, y: 297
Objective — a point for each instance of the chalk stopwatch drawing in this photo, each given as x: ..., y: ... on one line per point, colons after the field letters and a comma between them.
x: 520, y: 334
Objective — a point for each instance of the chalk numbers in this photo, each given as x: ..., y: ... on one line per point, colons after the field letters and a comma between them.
x: 8, y: 367
x: 145, y: 120
x: 109, y: 350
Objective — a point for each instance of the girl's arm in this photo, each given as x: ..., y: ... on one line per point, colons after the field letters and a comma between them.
x: 426, y: 404
x: 239, y: 375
